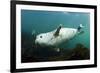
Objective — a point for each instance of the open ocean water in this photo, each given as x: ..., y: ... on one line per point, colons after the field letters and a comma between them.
x: 46, y: 21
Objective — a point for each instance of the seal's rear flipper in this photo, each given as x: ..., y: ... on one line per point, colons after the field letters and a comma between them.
x: 81, y: 32
x: 58, y: 30
x: 80, y: 27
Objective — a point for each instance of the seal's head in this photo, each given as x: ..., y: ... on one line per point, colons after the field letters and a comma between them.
x: 41, y: 39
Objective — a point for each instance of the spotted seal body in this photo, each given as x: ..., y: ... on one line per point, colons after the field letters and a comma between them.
x: 57, y: 36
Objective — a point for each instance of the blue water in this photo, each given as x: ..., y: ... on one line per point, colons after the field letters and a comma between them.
x: 45, y: 21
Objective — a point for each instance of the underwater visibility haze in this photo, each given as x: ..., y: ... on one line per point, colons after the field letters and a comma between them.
x: 38, y: 22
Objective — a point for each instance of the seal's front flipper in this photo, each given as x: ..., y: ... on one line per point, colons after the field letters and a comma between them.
x: 57, y: 49
x: 33, y: 37
x: 58, y: 30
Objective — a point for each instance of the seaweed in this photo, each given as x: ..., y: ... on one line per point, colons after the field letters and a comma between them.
x: 41, y: 54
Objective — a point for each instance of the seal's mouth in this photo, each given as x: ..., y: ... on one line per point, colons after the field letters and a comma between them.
x: 36, y: 41
x: 36, y: 44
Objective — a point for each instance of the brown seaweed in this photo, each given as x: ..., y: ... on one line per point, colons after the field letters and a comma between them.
x: 39, y: 54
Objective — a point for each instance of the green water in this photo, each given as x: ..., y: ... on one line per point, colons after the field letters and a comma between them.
x: 45, y: 21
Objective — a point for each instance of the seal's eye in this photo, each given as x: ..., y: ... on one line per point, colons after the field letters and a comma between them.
x: 40, y: 36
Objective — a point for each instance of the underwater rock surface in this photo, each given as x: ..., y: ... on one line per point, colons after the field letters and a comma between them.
x: 39, y: 54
